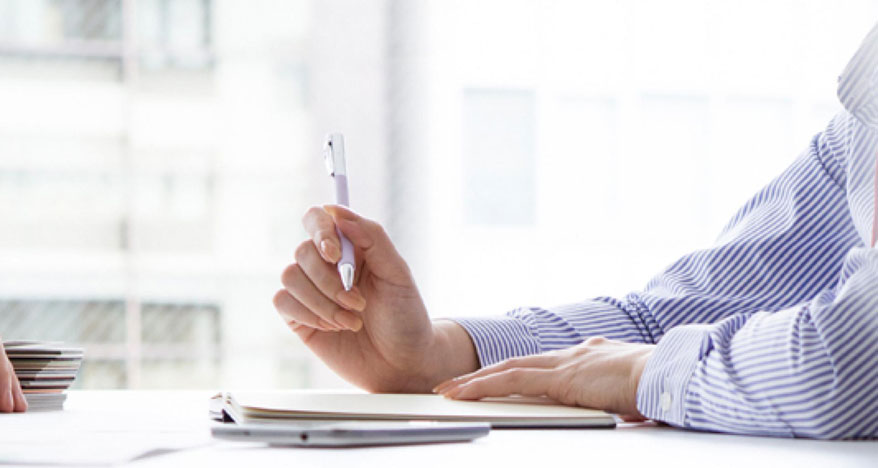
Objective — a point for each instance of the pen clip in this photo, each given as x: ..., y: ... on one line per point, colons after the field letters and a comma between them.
x: 333, y: 155
x: 328, y: 159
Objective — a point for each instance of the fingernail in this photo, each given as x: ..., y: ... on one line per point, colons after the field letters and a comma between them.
x: 351, y: 300
x: 350, y: 321
x: 337, y: 210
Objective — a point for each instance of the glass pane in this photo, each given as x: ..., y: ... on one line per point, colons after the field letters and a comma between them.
x: 498, y: 157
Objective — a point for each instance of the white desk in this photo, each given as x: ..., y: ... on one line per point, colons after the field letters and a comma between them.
x: 117, y: 418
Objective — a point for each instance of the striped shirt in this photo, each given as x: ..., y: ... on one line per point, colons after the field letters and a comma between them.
x: 774, y: 329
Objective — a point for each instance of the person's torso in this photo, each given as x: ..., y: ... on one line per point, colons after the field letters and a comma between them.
x: 858, y: 93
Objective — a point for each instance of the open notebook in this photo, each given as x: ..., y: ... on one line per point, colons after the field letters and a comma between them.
x: 512, y: 412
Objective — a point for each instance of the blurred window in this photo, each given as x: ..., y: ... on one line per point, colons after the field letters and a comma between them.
x: 498, y: 152
x: 156, y: 156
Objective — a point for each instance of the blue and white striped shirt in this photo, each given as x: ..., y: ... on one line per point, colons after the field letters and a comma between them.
x: 774, y: 329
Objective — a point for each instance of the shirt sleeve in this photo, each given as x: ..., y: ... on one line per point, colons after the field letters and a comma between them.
x: 535, y: 330
x: 807, y: 371
x: 783, y: 247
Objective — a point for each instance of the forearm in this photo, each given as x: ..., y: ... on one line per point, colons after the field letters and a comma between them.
x: 807, y: 371
x: 534, y: 330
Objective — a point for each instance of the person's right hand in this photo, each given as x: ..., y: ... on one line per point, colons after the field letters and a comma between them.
x: 378, y: 335
x: 11, y: 396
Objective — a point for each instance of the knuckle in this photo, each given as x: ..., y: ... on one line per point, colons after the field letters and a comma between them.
x: 376, y: 228
x: 594, y: 341
x: 291, y: 275
x: 278, y: 298
x: 302, y: 251
x: 314, y: 212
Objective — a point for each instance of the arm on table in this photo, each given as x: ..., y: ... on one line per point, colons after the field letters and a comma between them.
x: 808, y: 371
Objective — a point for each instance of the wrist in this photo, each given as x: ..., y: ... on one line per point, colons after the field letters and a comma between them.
x: 452, y: 353
x: 637, y: 366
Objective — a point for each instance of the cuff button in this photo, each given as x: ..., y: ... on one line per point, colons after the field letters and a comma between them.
x: 665, y: 401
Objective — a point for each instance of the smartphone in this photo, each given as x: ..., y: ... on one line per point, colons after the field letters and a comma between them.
x: 352, y: 433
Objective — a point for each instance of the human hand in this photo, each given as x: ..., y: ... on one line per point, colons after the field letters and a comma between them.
x: 377, y: 335
x: 598, y: 373
x: 11, y: 396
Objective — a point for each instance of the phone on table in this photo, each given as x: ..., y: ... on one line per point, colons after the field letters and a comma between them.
x: 323, y: 433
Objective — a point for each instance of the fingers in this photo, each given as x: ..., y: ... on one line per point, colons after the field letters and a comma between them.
x: 316, y: 296
x: 364, y: 233
x: 300, y: 286
x: 321, y: 228
x: 546, y: 360
x: 525, y: 381
x: 6, y: 401
x: 11, y: 396
x: 18, y: 399
x: 304, y: 332
x: 373, y: 243
x: 297, y: 315
x: 368, y: 235
x: 325, y: 277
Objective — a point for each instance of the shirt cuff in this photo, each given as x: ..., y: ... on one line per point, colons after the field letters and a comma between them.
x: 499, y: 338
x: 662, y: 389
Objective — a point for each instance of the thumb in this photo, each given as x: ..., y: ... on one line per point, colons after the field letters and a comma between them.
x: 374, y: 244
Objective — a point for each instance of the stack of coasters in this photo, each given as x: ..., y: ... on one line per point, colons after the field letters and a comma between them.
x: 45, y: 371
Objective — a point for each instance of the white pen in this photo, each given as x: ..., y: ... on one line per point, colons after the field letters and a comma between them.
x: 333, y: 156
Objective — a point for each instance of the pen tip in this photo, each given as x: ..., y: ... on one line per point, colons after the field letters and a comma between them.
x: 346, y: 271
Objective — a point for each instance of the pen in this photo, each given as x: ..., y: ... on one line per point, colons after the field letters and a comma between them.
x: 333, y: 156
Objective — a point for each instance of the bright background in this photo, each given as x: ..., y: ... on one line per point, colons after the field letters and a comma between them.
x: 156, y: 156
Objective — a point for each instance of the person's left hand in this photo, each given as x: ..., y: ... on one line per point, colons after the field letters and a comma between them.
x: 598, y: 373
x: 11, y: 396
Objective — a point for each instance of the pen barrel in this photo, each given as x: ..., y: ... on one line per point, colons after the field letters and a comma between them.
x: 341, y: 190
x: 341, y: 197
x: 347, y: 249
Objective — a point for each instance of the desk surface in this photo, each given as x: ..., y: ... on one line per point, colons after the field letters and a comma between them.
x: 97, y: 420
